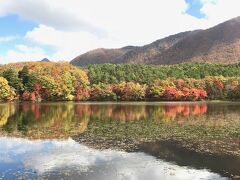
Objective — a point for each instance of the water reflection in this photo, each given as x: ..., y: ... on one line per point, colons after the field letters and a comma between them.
x: 45, y: 159
x: 54, y: 120
x: 225, y: 165
x: 109, y: 121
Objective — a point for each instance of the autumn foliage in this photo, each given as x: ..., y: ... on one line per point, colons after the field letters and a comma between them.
x: 46, y: 81
x: 6, y: 92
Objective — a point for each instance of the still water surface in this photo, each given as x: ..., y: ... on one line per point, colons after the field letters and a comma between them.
x: 35, y: 141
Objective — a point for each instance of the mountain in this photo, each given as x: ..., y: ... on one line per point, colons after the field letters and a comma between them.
x: 128, y: 54
x: 45, y: 60
x: 100, y: 56
x: 219, y: 44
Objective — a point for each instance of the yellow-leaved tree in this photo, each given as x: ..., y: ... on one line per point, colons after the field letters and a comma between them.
x: 6, y: 93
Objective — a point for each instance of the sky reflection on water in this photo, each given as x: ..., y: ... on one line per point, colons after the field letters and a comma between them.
x: 61, y: 159
x: 67, y: 159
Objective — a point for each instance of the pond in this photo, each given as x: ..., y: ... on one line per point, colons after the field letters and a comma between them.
x: 137, y: 140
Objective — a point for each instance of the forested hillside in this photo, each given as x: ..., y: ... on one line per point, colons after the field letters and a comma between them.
x: 48, y: 81
x: 147, y: 74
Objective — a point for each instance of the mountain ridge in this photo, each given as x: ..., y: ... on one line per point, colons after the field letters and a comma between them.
x: 218, y: 44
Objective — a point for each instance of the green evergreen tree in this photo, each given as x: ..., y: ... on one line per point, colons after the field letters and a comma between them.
x: 13, y: 79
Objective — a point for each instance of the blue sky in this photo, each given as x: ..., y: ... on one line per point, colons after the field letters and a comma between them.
x: 61, y: 30
x: 194, y: 8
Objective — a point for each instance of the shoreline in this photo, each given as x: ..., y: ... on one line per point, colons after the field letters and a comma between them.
x: 124, y: 102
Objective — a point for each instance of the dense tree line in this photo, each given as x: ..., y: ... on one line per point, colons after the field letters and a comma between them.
x: 147, y: 74
x: 39, y: 81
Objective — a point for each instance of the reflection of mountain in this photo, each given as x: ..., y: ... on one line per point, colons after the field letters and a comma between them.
x: 56, y: 120
x: 59, y: 159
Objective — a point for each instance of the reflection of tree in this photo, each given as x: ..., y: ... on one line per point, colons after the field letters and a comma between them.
x: 51, y: 120
x: 45, y: 120
x: 6, y: 110
x: 160, y: 113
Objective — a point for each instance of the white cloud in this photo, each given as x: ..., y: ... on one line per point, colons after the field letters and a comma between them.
x: 23, y: 53
x: 126, y: 23
x: 69, y: 44
x: 218, y: 11
x: 7, y: 38
x: 76, y: 26
x: 54, y: 14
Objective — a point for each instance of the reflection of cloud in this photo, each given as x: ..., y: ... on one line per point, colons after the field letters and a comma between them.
x: 5, y: 159
x: 48, y: 156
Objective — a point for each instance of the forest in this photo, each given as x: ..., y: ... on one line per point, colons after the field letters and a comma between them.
x: 147, y: 74
x: 49, y: 81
